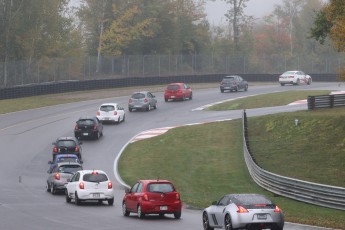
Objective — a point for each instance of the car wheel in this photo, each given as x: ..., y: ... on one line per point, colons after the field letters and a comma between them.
x: 124, y: 118
x: 191, y: 96
x: 48, y: 187
x: 236, y: 89
x: 155, y: 106
x: 111, y: 201
x: 282, y: 84
x: 184, y: 97
x: 68, y: 199
x: 222, y: 90
x: 118, y: 120
x: 52, y: 189
x: 76, y: 199
x: 205, y: 222
x: 124, y: 209
x: 297, y: 82
x: 166, y: 99
x: 141, y: 215
x: 309, y: 81
x: 177, y: 215
x: 97, y: 135
x: 227, y: 222
x: 246, y: 88
x: 130, y: 110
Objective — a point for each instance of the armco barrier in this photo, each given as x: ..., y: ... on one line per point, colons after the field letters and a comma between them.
x: 313, y: 193
x: 326, y: 101
x: 117, y: 82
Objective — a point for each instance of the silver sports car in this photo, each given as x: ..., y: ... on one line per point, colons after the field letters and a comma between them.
x: 243, y: 211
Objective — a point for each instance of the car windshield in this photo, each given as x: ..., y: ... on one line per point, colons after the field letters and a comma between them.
x: 138, y: 95
x: 107, y: 108
x: 69, y: 168
x: 173, y: 87
x: 160, y: 187
x: 85, y: 122
x: 66, y: 143
x: 67, y: 159
x: 95, y: 177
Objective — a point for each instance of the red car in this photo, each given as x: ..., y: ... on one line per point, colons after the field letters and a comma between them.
x: 178, y: 91
x: 152, y: 197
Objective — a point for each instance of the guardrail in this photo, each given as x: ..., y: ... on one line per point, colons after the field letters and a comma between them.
x: 313, y: 193
x: 326, y: 101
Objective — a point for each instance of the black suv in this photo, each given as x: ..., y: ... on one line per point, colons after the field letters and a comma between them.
x: 67, y: 145
x: 233, y: 83
x: 88, y: 127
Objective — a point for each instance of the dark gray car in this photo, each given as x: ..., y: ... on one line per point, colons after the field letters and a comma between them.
x: 59, y: 174
x: 243, y: 211
x: 233, y: 83
x: 143, y: 100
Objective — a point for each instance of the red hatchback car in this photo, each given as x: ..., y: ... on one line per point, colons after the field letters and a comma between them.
x: 178, y: 91
x: 152, y: 197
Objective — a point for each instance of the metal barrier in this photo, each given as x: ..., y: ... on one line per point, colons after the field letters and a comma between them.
x: 313, y: 193
x: 326, y: 101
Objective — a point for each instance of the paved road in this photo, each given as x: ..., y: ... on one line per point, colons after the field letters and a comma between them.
x: 26, y: 137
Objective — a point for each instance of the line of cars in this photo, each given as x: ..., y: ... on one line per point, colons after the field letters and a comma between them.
x: 145, y: 197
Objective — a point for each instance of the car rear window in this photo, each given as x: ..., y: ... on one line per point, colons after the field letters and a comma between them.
x: 107, y: 108
x: 228, y: 79
x: 160, y: 187
x: 138, y: 95
x: 173, y: 87
x: 69, y: 168
x: 85, y: 122
x: 95, y: 177
x: 250, y: 199
x: 66, y: 143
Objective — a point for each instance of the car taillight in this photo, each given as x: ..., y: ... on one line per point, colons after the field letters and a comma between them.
x: 241, y: 209
x: 130, y: 101
x: 95, y: 127
x: 110, y: 185
x: 290, y: 76
x: 98, y: 113
x: 146, y: 100
x: 115, y: 113
x: 57, y: 176
x: 177, y: 196
x: 55, y: 150
x: 76, y: 149
x: 146, y: 197
x: 81, y: 185
x: 277, y: 209
x: 76, y: 127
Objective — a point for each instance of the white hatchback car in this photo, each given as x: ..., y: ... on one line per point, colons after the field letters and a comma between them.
x: 294, y: 77
x: 111, y: 112
x: 90, y: 185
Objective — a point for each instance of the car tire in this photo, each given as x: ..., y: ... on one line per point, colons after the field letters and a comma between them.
x: 141, y: 215
x: 282, y: 84
x: 97, y: 135
x: 118, y: 120
x: 76, y: 199
x: 124, y: 118
x: 155, y: 106
x: 166, y: 99
x: 222, y: 90
x: 309, y: 81
x: 246, y: 88
x: 297, y: 82
x: 191, y: 96
x: 130, y: 110
x: 52, y: 189
x: 205, y: 222
x: 148, y: 108
x: 177, y: 215
x: 184, y: 97
x: 68, y: 199
x: 227, y: 222
x: 48, y: 188
x: 111, y: 202
x: 125, y: 212
x: 236, y: 89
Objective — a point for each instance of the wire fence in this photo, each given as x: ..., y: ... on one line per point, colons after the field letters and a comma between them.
x: 93, y: 68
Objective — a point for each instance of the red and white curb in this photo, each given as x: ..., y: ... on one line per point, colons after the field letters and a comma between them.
x: 150, y: 133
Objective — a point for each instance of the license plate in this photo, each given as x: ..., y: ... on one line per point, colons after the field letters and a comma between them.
x: 163, y: 208
x: 172, y: 96
x: 96, y: 195
x: 85, y: 134
x: 226, y: 87
x: 106, y: 118
x: 262, y: 216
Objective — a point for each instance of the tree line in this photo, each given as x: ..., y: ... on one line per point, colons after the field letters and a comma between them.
x: 40, y: 29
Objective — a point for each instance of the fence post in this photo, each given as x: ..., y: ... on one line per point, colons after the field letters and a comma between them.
x: 311, y: 102
x: 331, y: 102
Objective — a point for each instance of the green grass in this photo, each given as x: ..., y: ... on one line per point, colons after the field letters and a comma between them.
x: 206, y: 162
x: 267, y: 100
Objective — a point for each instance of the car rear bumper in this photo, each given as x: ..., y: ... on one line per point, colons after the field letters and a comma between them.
x: 158, y: 207
x: 96, y: 195
x: 82, y: 133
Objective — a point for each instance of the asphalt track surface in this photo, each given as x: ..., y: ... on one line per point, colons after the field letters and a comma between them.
x: 26, y: 137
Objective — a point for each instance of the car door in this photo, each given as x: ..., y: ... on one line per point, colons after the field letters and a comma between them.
x: 99, y: 125
x: 219, y: 210
x: 120, y: 111
x: 241, y: 82
x: 187, y: 90
x: 152, y: 99
x: 130, y: 198
x: 72, y: 184
x: 51, y: 172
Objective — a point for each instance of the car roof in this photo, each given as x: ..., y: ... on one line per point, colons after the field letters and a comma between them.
x: 104, y: 104
x: 87, y: 118
x: 231, y: 76
x: 66, y: 138
x: 177, y: 83
x: 88, y: 171
x: 66, y: 155
x: 68, y: 163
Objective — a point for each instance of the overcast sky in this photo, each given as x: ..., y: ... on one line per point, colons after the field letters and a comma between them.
x: 257, y: 8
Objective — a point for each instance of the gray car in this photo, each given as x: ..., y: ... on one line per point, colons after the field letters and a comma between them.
x: 243, y: 211
x: 59, y: 174
x: 143, y: 100
x: 233, y: 83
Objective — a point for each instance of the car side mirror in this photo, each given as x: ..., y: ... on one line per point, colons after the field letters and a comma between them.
x: 127, y: 190
x: 69, y: 180
x: 214, y: 203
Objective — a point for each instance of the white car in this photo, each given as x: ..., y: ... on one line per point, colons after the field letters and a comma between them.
x: 295, y: 77
x: 86, y: 185
x: 111, y: 112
